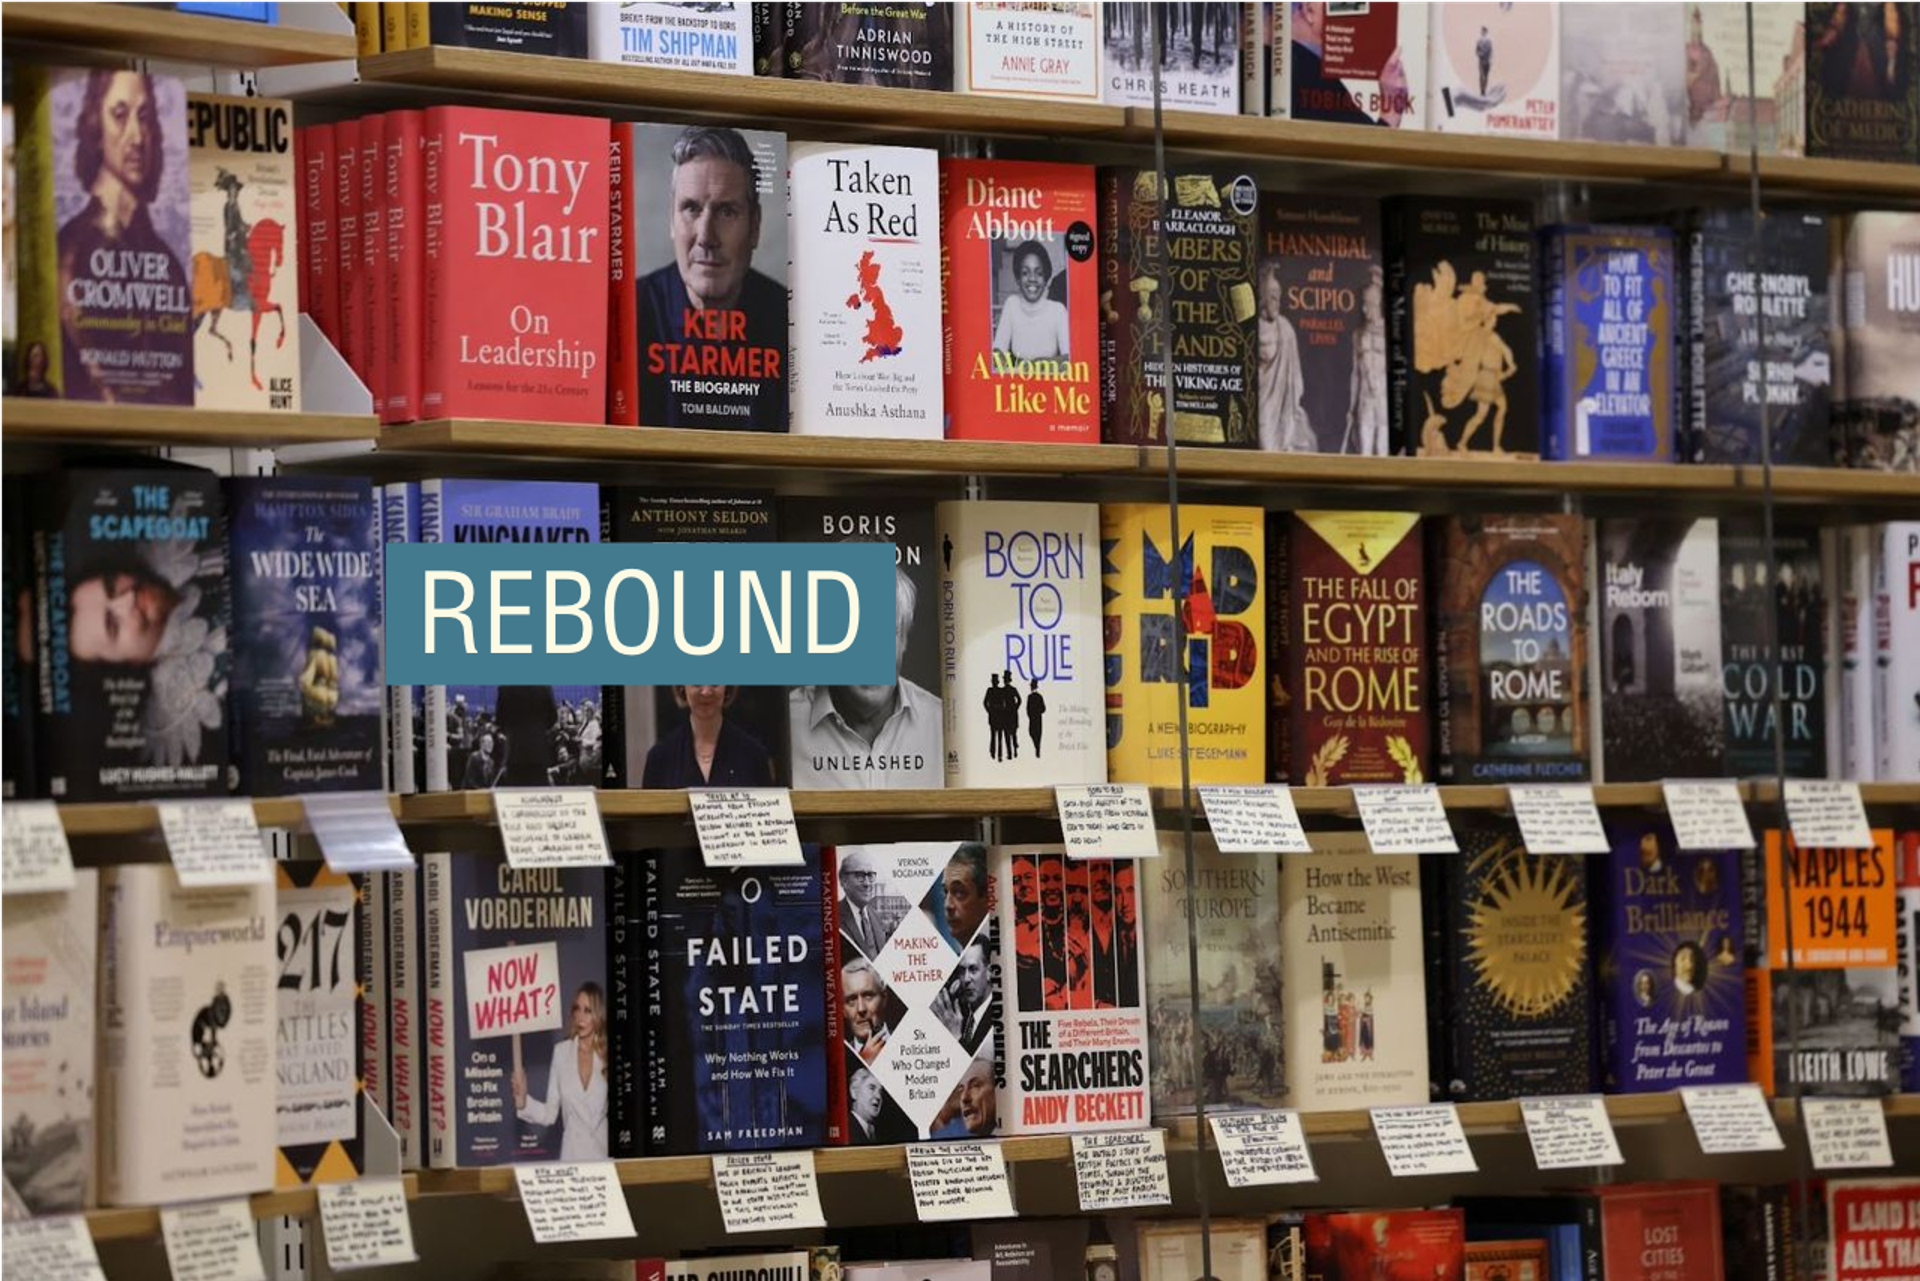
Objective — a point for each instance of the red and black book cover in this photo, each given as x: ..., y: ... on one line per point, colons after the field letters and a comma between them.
x: 1386, y: 1245
x: 1660, y: 1231
x: 319, y: 290
x: 1874, y: 1226
x: 400, y: 282
x: 346, y: 242
x: 1863, y: 85
x: 370, y: 280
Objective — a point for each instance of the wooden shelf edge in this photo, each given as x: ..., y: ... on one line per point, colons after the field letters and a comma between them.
x: 76, y: 422
x: 146, y: 31
x: 139, y: 1222
x: 131, y: 818
x: 1816, y: 175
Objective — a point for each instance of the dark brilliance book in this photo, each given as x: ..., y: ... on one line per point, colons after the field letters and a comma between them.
x: 1608, y: 365
x: 1863, y: 98
x: 1797, y: 597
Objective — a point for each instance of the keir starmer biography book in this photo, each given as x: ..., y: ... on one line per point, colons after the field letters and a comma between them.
x: 1797, y: 597
x: 1863, y: 84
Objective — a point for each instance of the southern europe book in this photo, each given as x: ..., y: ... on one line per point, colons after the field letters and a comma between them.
x: 1798, y: 599
x: 864, y: 318
x: 1205, y: 261
x: 1879, y: 327
x: 1019, y: 286
x: 1208, y: 596
x: 1072, y: 987
x: 187, y: 1081
x: 1669, y: 953
x: 1050, y: 53
x: 684, y: 37
x: 1657, y: 701
x: 1863, y: 98
x: 131, y: 618
x: 1021, y: 646
x: 246, y: 253
x: 698, y: 328
x: 1321, y: 383
x: 1464, y: 370
x: 1896, y: 666
x: 1494, y: 69
x: 1608, y: 361
x: 1720, y: 114
x: 1199, y: 56
x: 105, y: 278
x: 307, y: 688
x: 1351, y: 692
x: 1356, y: 1018
x: 48, y: 949
x: 1510, y: 648
x: 1240, y: 1035
x: 551, y: 27
x: 1350, y: 64
x: 482, y: 736
x: 1624, y: 81
x: 322, y: 921
x: 1397, y: 1245
x: 905, y: 46
x: 515, y: 987
x: 841, y: 736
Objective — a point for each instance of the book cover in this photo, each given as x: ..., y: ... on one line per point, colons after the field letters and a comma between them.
x: 1199, y: 56
x: 402, y: 256
x: 1020, y: 643
x: 1352, y: 924
x: 769, y: 39
x: 1049, y: 52
x: 106, y: 305
x: 1495, y: 68
x: 1175, y: 1251
x: 1208, y: 596
x: 1611, y: 318
x: 1510, y: 648
x: 684, y: 37
x: 841, y: 736
x: 1863, y: 101
x: 1658, y: 705
x: 1568, y: 1222
x: 1907, y: 946
x: 1240, y: 1034
x: 320, y: 927
x: 406, y: 1034
x: 1624, y: 81
x: 187, y: 1081
x: 1074, y: 1023
x: 131, y: 620
x: 516, y: 1017
x: 735, y: 967
x: 626, y: 1019
x: 1206, y: 263
x: 1896, y: 660
x: 698, y: 328
x: 1352, y: 64
x: 319, y: 214
x: 515, y: 229
x: 1879, y: 327
x: 864, y: 318
x: 789, y: 1265
x: 1351, y: 691
x: 552, y: 27
x: 1873, y: 1233
x: 307, y: 686
x: 1464, y: 369
x: 1393, y: 1245
x: 19, y: 692
x: 1660, y: 1231
x: 1797, y: 597
x: 246, y: 253
x: 1032, y: 1249
x: 48, y: 950
x: 1321, y: 327
x: 1019, y: 282
x: 1721, y: 114
x: 1506, y: 1261
x: 899, y: 46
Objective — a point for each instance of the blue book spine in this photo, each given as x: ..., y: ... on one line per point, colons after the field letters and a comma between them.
x: 1610, y: 368
x: 267, y: 13
x: 1554, y: 445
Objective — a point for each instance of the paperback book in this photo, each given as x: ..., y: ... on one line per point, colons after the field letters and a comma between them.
x: 49, y: 947
x: 1797, y: 598
x: 1722, y: 114
x: 1199, y: 47
x: 1495, y: 68
x: 322, y: 925
x: 1896, y: 666
x: 1047, y: 52
x: 1173, y: 1249
x: 1608, y: 375
x: 1351, y: 64
x: 20, y: 692
x: 1660, y: 1231
x: 406, y: 1016
x: 555, y: 28
x: 1906, y: 850
x: 901, y: 46
x: 1863, y: 100
x: 683, y: 37
x: 1398, y: 1245
x: 1625, y: 81
x: 1877, y: 329
x: 1853, y: 603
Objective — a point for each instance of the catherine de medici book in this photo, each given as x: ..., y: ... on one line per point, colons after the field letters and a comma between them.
x: 323, y: 928
x: 1863, y: 87
x: 684, y: 37
x: 1199, y: 56
x: 1494, y: 69
x: 1049, y: 52
x: 1608, y: 360
x: 48, y: 949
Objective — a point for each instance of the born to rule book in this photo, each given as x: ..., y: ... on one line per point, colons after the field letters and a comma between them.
x: 1347, y: 616
x: 1072, y: 987
x: 322, y: 924
x: 698, y: 328
x: 1863, y: 100
x: 516, y: 1022
x: 49, y: 948
x: 1798, y: 598
x: 1019, y: 299
x: 1494, y: 69
x: 1879, y: 330
x: 1205, y: 262
x: 1199, y: 56
x: 1720, y: 114
x: 1464, y: 372
x: 864, y: 317
x: 552, y: 27
x: 1207, y: 597
x: 1608, y: 359
x: 902, y: 46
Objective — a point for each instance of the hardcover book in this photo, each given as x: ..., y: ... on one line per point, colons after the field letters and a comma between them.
x: 406, y: 710
x: 106, y: 305
x: 865, y: 312
x: 319, y: 216
x: 1761, y: 1230
x: 1863, y: 100
x: 1870, y: 1222
x: 1907, y: 947
x: 406, y: 1037
x: 1720, y: 113
x: 376, y: 989
x: 1797, y: 598
x: 367, y: 275
x: 1624, y: 81
x: 1660, y: 1231
x: 1074, y: 1022
x: 1506, y: 1261
x: 1395, y: 1245
x: 1321, y: 327
x: 1347, y: 613
x: 698, y: 328
x: 1199, y: 56
x: 1048, y: 52
x: 1019, y: 288
x: 1194, y: 616
x: 684, y: 37
x: 321, y: 926
x: 48, y: 948
x: 351, y: 336
x: 903, y: 46
x: 1854, y: 605
x: 1879, y: 328
x: 1176, y: 1250
x: 789, y: 1265
x: 1351, y: 64
x: 1510, y: 648
x: 402, y: 300
x: 1896, y: 663
x: 1206, y: 262
x: 1495, y: 68
x: 1611, y: 318
x: 552, y: 27
x: 20, y: 692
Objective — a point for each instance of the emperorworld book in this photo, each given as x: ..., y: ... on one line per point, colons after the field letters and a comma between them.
x: 1878, y: 331
x: 322, y: 927
x: 1199, y: 56
x: 1863, y: 98
x: 1050, y: 53
x: 684, y: 37
x: 1624, y: 81
x: 48, y: 948
x: 1721, y: 115
x: 1611, y: 316
x: 1494, y: 69
x: 1793, y: 653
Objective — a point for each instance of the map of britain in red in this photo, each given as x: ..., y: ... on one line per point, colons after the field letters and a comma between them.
x: 883, y: 336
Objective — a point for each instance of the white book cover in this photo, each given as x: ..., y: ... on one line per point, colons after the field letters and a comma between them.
x: 405, y: 1093
x: 684, y: 37
x: 1494, y: 69
x: 1199, y: 56
x: 865, y: 325
x: 1853, y: 611
x: 1021, y: 664
x: 1897, y: 653
x: 1623, y: 73
x: 1261, y: 74
x: 49, y: 943
x: 1045, y: 51
x: 187, y: 1063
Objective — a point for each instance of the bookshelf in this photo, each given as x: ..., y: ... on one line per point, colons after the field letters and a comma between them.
x: 149, y: 31
x: 139, y: 1223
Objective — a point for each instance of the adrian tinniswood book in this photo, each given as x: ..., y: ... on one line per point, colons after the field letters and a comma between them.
x: 49, y: 947
x: 903, y: 46
x: 1494, y: 69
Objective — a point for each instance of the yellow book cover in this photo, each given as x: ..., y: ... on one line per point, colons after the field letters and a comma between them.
x: 416, y: 25
x: 393, y: 26
x: 1214, y: 586
x: 366, y: 28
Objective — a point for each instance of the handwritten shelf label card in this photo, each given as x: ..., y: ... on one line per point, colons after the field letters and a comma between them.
x: 57, y: 1249
x: 580, y: 1202
x: 215, y: 1241
x: 959, y: 1181
x: 1826, y: 814
x: 1570, y: 1131
x: 215, y: 843
x: 767, y: 1191
x: 33, y: 841
x: 356, y: 832
x: 1558, y: 818
x: 366, y: 1225
x: 1258, y: 1149
x: 557, y: 827
x: 1731, y: 1118
x: 1707, y: 814
x: 1107, y: 820
x: 1405, y: 819
x: 1255, y: 819
x: 1120, y: 1169
x: 1423, y: 1140
x: 746, y: 827
x: 1847, y: 1134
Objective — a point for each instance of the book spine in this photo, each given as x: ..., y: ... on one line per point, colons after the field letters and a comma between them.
x: 396, y: 505
x: 1884, y: 712
x: 436, y: 885
x: 613, y: 698
x: 371, y: 272
x: 1695, y: 352
x: 434, y: 697
x: 623, y: 322
x: 121, y: 1024
x: 376, y: 996
x: 1555, y: 443
x: 1113, y: 297
x: 393, y: 27
x: 433, y: 291
x: 403, y: 1012
x: 345, y: 249
x: 625, y: 1019
x: 417, y: 25
x: 1400, y: 439
x: 1439, y: 887
x: 1898, y: 720
x: 836, y: 1119
x: 366, y: 27
x: 1282, y: 718
x: 320, y: 292
x: 659, y: 1075
x: 402, y: 281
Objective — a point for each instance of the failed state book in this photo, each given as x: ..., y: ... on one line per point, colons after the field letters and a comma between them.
x: 1321, y: 382
x: 1464, y: 370
x: 864, y: 320
x: 1347, y: 613
x: 1494, y: 68
x: 322, y: 928
x: 1398, y: 1245
x: 555, y: 28
x: 48, y: 949
x: 698, y: 327
x: 1721, y: 114
x: 1207, y: 597
x: 1200, y: 56
x: 1624, y: 81
x: 684, y: 37
x: 1021, y: 642
x: 1177, y: 1249
x: 106, y: 307
x: 1509, y: 648
x: 1019, y: 299
x: 1896, y: 664
x: 1611, y: 316
x: 1878, y: 331
x: 1871, y: 1233
x: 902, y: 46
x: 1793, y: 652
x: 1350, y: 64
x: 1072, y: 983
x: 1862, y: 95
x: 1206, y: 262
x: 1051, y: 53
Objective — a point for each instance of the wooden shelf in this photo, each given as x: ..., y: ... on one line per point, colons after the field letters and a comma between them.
x: 1857, y: 179
x: 131, y: 818
x: 144, y: 1221
x: 77, y: 422
x: 148, y: 31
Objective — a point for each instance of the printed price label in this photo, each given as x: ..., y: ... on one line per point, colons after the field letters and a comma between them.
x: 1558, y: 818
x: 958, y: 1181
x: 582, y: 1202
x: 1847, y: 1134
x: 212, y: 1242
x: 768, y: 1191
x: 1261, y: 1148
x: 356, y: 832
x: 34, y: 843
x: 1423, y: 1140
x: 1731, y: 1118
x: 365, y: 1223
x: 748, y: 827
x: 1707, y: 814
x: 1570, y: 1131
x: 1121, y: 1168
x: 1107, y: 820
x: 1257, y: 819
x: 1826, y: 814
x: 1407, y: 819
x: 215, y: 843
x: 556, y: 828
x: 50, y: 1249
